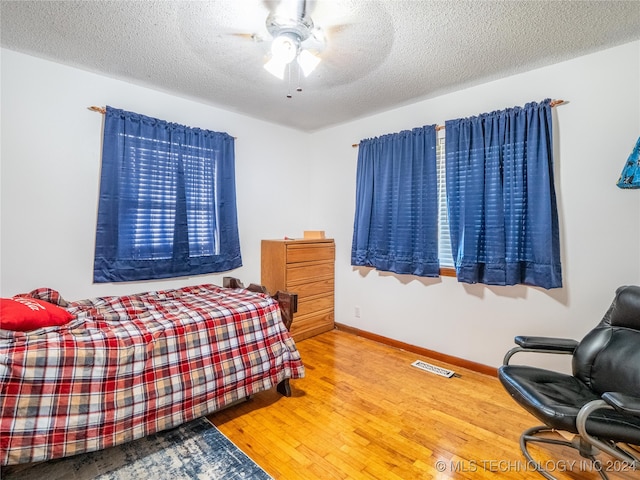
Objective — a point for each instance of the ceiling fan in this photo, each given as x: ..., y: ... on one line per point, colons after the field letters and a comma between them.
x: 295, y: 37
x: 296, y: 40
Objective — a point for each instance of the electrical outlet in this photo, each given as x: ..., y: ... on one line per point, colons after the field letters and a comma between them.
x: 356, y: 312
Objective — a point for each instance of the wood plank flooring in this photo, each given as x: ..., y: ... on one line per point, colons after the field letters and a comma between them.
x: 363, y: 412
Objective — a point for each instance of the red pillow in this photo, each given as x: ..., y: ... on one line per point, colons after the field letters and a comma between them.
x: 24, y: 314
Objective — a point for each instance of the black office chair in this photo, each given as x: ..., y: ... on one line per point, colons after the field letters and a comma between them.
x: 600, y: 402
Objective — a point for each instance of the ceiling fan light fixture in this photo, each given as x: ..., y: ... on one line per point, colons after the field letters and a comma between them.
x: 284, y: 47
x: 308, y: 62
x: 276, y: 68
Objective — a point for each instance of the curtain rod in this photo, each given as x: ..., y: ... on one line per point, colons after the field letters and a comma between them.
x: 103, y: 110
x: 553, y: 103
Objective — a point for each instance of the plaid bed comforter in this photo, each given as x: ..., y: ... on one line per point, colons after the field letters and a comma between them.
x: 129, y: 366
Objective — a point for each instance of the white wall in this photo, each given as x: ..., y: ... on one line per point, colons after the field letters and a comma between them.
x: 600, y: 233
x: 288, y: 181
x: 51, y: 146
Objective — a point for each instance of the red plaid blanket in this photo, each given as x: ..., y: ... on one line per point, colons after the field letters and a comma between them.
x: 129, y: 366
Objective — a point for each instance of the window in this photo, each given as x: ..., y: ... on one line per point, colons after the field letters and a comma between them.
x: 493, y: 216
x: 167, y: 201
x: 447, y: 267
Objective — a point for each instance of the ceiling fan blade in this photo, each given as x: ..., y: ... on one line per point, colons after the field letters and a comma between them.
x: 337, y: 28
x: 255, y: 37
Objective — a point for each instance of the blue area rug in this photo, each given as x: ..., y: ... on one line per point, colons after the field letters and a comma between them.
x: 196, y: 450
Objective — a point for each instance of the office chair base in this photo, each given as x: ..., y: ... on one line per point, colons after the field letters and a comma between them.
x: 625, y: 456
x: 585, y: 450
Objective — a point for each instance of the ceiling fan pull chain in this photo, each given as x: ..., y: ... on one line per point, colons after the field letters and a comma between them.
x: 289, y: 88
x: 299, y: 89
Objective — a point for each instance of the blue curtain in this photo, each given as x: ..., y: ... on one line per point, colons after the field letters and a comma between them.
x: 396, y: 226
x: 167, y: 205
x: 501, y: 198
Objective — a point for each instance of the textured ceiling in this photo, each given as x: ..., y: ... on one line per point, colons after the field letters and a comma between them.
x: 379, y: 54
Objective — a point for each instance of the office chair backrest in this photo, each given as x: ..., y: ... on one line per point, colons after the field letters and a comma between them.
x: 608, y: 358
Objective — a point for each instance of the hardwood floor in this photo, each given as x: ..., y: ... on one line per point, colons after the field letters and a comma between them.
x: 363, y: 412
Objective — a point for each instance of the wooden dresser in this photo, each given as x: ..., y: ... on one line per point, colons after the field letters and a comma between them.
x: 305, y: 267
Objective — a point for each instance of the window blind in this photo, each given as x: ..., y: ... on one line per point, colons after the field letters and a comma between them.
x: 444, y: 237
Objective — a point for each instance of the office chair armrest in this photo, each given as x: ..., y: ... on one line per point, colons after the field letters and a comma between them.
x: 623, y: 403
x: 564, y: 345
x: 541, y: 345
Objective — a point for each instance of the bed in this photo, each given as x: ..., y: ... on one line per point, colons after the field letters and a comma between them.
x: 127, y: 366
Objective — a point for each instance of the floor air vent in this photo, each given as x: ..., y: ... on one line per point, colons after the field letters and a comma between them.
x: 427, y: 367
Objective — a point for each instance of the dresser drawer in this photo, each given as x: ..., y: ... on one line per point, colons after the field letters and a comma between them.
x: 310, y: 325
x: 310, y: 253
x: 308, y: 288
x: 307, y: 271
x: 314, y: 304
